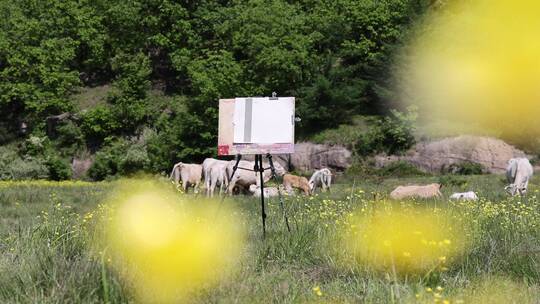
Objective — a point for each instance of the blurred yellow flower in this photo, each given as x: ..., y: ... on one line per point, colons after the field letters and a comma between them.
x: 317, y: 291
x: 168, y: 248
x: 478, y: 55
x: 405, y: 239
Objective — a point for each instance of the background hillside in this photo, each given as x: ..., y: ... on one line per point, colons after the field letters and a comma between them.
x: 134, y: 85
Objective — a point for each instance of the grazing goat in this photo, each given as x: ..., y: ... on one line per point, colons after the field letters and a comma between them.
x: 321, y: 178
x: 518, y: 174
x: 245, y: 178
x: 190, y: 174
x: 209, y: 164
x: 292, y: 181
x: 424, y: 191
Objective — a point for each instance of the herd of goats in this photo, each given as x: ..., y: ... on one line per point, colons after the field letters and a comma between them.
x: 218, y: 173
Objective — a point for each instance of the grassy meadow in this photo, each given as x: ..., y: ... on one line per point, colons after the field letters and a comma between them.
x: 47, y: 228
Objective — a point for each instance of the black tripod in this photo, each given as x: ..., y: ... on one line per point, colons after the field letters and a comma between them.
x: 259, y: 167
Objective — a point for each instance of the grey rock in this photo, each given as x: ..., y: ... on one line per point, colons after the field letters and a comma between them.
x: 436, y: 156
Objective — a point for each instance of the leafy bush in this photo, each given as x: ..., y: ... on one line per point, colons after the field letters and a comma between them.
x: 58, y: 169
x: 370, y: 135
x: 104, y: 165
x: 135, y: 160
x: 180, y: 135
x: 119, y: 157
x: 394, y: 133
x: 98, y: 123
x: 70, y: 138
x: 128, y: 100
x: 12, y: 166
x: 35, y: 145
x: 400, y: 169
x: 348, y: 135
x: 465, y: 168
x: 451, y: 180
x: 29, y: 168
x: 107, y: 159
x: 7, y: 133
x: 8, y: 154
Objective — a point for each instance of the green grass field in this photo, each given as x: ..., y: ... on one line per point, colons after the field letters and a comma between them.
x: 45, y: 248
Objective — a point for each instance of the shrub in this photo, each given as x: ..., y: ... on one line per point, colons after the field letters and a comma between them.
x: 394, y: 133
x: 370, y: 135
x: 107, y: 160
x: 29, y: 168
x: 180, y: 135
x: 350, y: 136
x: 451, y: 180
x: 8, y: 154
x: 362, y: 167
x: 465, y: 168
x: 58, y: 169
x: 104, y: 165
x: 119, y: 157
x: 35, y: 145
x: 70, y: 138
x: 98, y: 123
x: 400, y: 169
x: 12, y: 166
x: 135, y: 160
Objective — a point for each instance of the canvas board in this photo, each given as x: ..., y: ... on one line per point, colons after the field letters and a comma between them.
x: 257, y: 125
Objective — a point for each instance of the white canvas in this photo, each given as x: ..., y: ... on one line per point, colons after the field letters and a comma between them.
x: 264, y: 121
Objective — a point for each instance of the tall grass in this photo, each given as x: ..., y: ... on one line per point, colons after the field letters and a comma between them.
x: 46, y: 255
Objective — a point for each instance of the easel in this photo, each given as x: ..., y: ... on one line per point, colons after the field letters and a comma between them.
x: 259, y: 167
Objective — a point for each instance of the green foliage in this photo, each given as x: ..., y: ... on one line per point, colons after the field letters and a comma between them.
x: 452, y: 181
x: 43, y: 47
x: 128, y: 100
x: 106, y: 160
x: 347, y: 135
x: 119, y: 157
x: 135, y: 160
x: 336, y: 57
x: 38, y: 160
x: 391, y: 134
x: 27, y: 168
x: 98, y: 123
x: 394, y: 133
x: 58, y: 169
x: 216, y: 75
x: 465, y: 168
x: 70, y: 138
x: 400, y: 169
x: 133, y: 72
x: 179, y: 135
x: 179, y: 139
x: 35, y: 145
x: 327, y: 103
x: 12, y: 166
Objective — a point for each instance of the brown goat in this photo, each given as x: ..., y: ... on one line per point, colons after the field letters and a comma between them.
x: 424, y: 191
x: 292, y: 181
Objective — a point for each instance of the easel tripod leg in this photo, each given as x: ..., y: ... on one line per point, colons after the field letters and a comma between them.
x: 259, y: 167
x: 279, y: 191
x: 235, y: 167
